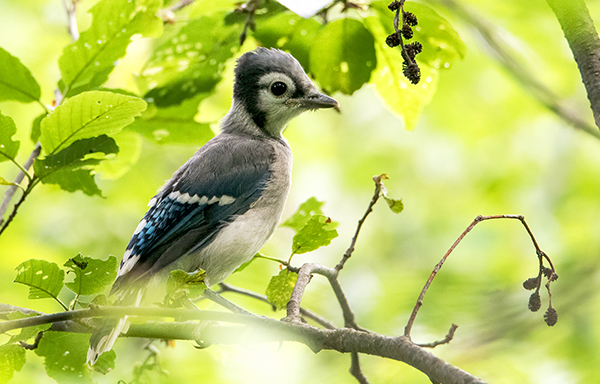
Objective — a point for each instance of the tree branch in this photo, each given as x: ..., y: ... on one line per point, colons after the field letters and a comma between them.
x: 579, y: 30
x: 256, y: 329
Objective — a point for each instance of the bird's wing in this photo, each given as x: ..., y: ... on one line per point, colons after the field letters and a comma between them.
x: 215, y: 186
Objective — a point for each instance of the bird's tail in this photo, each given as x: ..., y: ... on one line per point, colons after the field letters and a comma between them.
x: 103, y: 339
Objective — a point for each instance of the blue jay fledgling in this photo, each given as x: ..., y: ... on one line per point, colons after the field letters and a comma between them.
x: 224, y: 203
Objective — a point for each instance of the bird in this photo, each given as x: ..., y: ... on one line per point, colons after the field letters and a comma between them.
x: 225, y: 202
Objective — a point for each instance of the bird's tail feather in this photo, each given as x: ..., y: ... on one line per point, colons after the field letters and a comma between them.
x: 103, y: 339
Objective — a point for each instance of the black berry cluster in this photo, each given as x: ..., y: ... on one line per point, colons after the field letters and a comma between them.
x: 410, y: 68
x: 535, y: 301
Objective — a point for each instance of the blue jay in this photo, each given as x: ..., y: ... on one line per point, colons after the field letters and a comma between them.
x: 224, y: 203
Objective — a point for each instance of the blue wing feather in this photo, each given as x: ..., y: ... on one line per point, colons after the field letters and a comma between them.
x: 220, y: 168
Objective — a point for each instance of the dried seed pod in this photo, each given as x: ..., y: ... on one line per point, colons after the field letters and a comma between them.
x: 535, y: 302
x: 531, y: 283
x: 551, y: 317
x: 393, y: 40
x: 412, y: 72
x: 394, y: 6
x: 548, y: 272
x: 410, y: 19
x: 407, y: 32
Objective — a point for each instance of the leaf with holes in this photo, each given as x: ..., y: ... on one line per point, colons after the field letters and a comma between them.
x: 44, y: 279
x: 72, y: 167
x: 280, y: 288
x: 27, y: 332
x: 308, y: 209
x: 87, y: 115
x: 8, y: 147
x: 318, y: 231
x: 86, y: 63
x: 65, y: 357
x: 16, y: 81
x: 344, y: 57
x: 190, y: 62
x: 91, y: 275
x: 12, y: 358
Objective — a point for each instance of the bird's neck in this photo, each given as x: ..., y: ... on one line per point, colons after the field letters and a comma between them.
x: 239, y: 121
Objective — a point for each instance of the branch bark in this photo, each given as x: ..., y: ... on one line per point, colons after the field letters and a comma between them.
x: 254, y: 329
x: 580, y: 33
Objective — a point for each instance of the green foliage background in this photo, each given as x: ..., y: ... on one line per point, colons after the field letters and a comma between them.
x: 482, y: 145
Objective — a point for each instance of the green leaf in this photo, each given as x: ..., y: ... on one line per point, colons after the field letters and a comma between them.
x: 65, y: 357
x: 318, y: 232
x: 190, y: 284
x: 8, y: 147
x: 27, y: 332
x: 35, y: 127
x: 280, y: 288
x: 441, y: 46
x: 44, y: 278
x: 344, y: 57
x: 287, y: 31
x: 12, y: 358
x: 396, y: 206
x: 16, y: 81
x: 130, y: 149
x: 247, y: 263
x: 308, y: 209
x: 3, y: 181
x: 88, y: 115
x: 174, y: 124
x: 91, y: 275
x: 72, y: 167
x: 86, y: 63
x: 190, y: 62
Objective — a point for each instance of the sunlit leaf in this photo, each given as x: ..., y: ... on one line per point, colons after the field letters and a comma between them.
x: 88, y: 115
x: 91, y: 275
x: 344, y: 57
x: 130, y: 149
x: 44, y: 278
x: 72, y: 167
x: 27, y: 332
x: 190, y: 62
x: 318, y: 231
x: 86, y: 63
x: 280, y: 288
x: 65, y: 357
x: 16, y: 81
x: 191, y: 284
x: 8, y: 147
x: 291, y: 33
x: 12, y: 358
x: 308, y: 209
x: 396, y: 206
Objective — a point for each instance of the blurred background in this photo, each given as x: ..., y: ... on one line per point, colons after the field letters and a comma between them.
x: 483, y: 145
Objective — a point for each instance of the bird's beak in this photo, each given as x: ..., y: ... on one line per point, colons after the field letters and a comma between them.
x: 318, y: 100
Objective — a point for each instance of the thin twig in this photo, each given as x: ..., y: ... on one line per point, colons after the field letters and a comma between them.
x: 72, y: 18
x: 216, y: 298
x: 355, y: 369
x: 307, y: 313
x: 376, y: 194
x: 439, y: 265
x: 445, y: 340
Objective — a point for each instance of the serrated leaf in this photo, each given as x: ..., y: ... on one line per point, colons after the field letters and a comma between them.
x: 27, y: 332
x: 344, y: 57
x: 86, y: 63
x: 441, y: 46
x: 86, y: 115
x: 174, y: 124
x: 309, y: 208
x: 318, y: 232
x: 72, y: 167
x: 91, y: 275
x: 291, y: 33
x: 280, y: 288
x: 8, y: 147
x: 65, y: 357
x: 16, y: 81
x: 44, y: 278
x: 12, y: 358
x: 190, y: 62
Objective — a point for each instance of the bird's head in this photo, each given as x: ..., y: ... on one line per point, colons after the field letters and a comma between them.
x: 272, y: 88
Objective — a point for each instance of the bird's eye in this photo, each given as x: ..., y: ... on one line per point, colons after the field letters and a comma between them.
x: 278, y: 88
